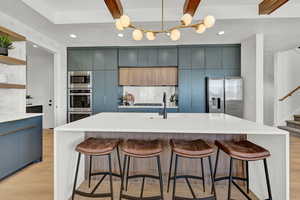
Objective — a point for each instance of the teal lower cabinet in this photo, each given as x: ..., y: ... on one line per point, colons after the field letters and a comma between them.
x: 150, y: 110
x: 20, y: 144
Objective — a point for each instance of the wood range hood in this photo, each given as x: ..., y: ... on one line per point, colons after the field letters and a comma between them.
x: 148, y: 76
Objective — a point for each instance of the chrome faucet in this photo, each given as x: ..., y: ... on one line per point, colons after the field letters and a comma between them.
x: 164, y: 112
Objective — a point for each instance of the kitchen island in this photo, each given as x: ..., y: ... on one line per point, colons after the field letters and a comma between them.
x: 178, y: 125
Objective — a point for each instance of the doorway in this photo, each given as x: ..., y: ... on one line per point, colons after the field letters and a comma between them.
x: 40, y: 83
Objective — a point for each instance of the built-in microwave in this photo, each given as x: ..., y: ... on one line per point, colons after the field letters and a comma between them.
x: 80, y: 79
x: 74, y: 116
x: 80, y: 100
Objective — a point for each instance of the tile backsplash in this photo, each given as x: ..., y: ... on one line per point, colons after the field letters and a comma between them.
x: 150, y: 94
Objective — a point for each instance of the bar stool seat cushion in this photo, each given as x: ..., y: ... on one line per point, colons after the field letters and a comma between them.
x: 95, y: 146
x: 142, y: 148
x: 243, y: 150
x: 195, y: 148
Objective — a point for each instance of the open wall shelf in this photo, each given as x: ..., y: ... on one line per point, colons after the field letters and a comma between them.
x: 12, y: 35
x: 11, y: 61
x: 12, y: 86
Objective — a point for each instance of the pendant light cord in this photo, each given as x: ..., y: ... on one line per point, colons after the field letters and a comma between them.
x: 162, y: 15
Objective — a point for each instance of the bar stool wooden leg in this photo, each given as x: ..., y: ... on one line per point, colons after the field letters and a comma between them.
x: 160, y: 178
x: 90, y: 172
x: 128, y: 166
x: 230, y: 179
x: 203, y: 177
x: 268, y: 179
x: 170, y: 171
x: 110, y: 177
x: 247, y: 176
x: 174, y: 177
x: 76, y: 173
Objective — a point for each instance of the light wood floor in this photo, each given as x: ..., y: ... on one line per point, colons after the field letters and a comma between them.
x: 36, y: 181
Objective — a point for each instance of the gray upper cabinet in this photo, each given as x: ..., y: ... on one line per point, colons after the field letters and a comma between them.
x: 198, y: 57
x: 80, y: 59
x: 148, y: 57
x: 128, y: 57
x: 231, y: 57
x: 213, y: 57
x: 185, y: 90
x: 106, y: 59
x: 184, y: 57
x: 167, y: 56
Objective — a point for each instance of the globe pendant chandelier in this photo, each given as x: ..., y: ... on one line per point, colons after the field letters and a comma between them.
x: 174, y: 32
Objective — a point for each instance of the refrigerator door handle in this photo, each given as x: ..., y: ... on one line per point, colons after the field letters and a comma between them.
x: 219, y: 103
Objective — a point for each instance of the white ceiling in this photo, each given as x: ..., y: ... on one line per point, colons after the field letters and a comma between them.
x: 95, y: 11
x: 280, y: 33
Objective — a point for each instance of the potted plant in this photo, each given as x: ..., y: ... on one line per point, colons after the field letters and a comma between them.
x: 5, y: 44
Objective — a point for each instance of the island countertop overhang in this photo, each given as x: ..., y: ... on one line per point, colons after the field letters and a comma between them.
x: 206, y: 123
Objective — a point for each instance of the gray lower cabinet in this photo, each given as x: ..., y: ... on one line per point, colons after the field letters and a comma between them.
x: 105, y: 91
x: 20, y: 144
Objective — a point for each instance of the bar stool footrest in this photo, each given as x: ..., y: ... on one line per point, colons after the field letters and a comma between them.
x: 227, y: 178
x: 124, y: 196
x: 203, y: 198
x: 91, y: 195
x: 187, y: 176
x: 105, y: 173
x: 143, y: 176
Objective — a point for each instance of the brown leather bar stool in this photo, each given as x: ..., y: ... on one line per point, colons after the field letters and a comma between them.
x: 141, y: 149
x: 97, y: 147
x: 245, y: 151
x: 196, y: 149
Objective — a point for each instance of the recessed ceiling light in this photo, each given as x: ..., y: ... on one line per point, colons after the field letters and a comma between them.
x: 120, y: 34
x: 35, y: 46
x: 73, y: 36
x: 221, y: 32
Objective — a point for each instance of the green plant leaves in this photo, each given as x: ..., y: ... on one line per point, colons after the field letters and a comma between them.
x: 5, y: 42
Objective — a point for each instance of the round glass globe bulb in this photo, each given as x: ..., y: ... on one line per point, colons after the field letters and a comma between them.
x: 137, y: 34
x: 209, y: 21
x: 186, y: 19
x: 125, y: 21
x: 175, y: 34
x: 150, y: 36
x: 119, y: 25
x: 200, y: 28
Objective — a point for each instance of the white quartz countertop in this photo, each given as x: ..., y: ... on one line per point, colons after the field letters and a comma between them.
x: 8, y: 117
x: 206, y: 123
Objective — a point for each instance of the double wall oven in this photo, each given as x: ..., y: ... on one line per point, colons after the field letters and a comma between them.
x: 79, y: 95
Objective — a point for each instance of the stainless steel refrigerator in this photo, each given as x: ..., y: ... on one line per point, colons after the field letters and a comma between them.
x: 225, y: 95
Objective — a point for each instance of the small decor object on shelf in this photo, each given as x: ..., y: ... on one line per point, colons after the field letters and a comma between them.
x: 5, y: 45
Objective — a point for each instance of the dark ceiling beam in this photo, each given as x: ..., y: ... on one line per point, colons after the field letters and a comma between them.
x: 115, y: 8
x: 269, y: 6
x: 190, y: 6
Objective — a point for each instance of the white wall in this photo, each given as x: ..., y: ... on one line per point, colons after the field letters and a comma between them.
x: 60, y: 67
x: 40, y: 83
x: 13, y: 100
x: 252, y: 73
x: 269, y: 88
x: 287, y: 78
